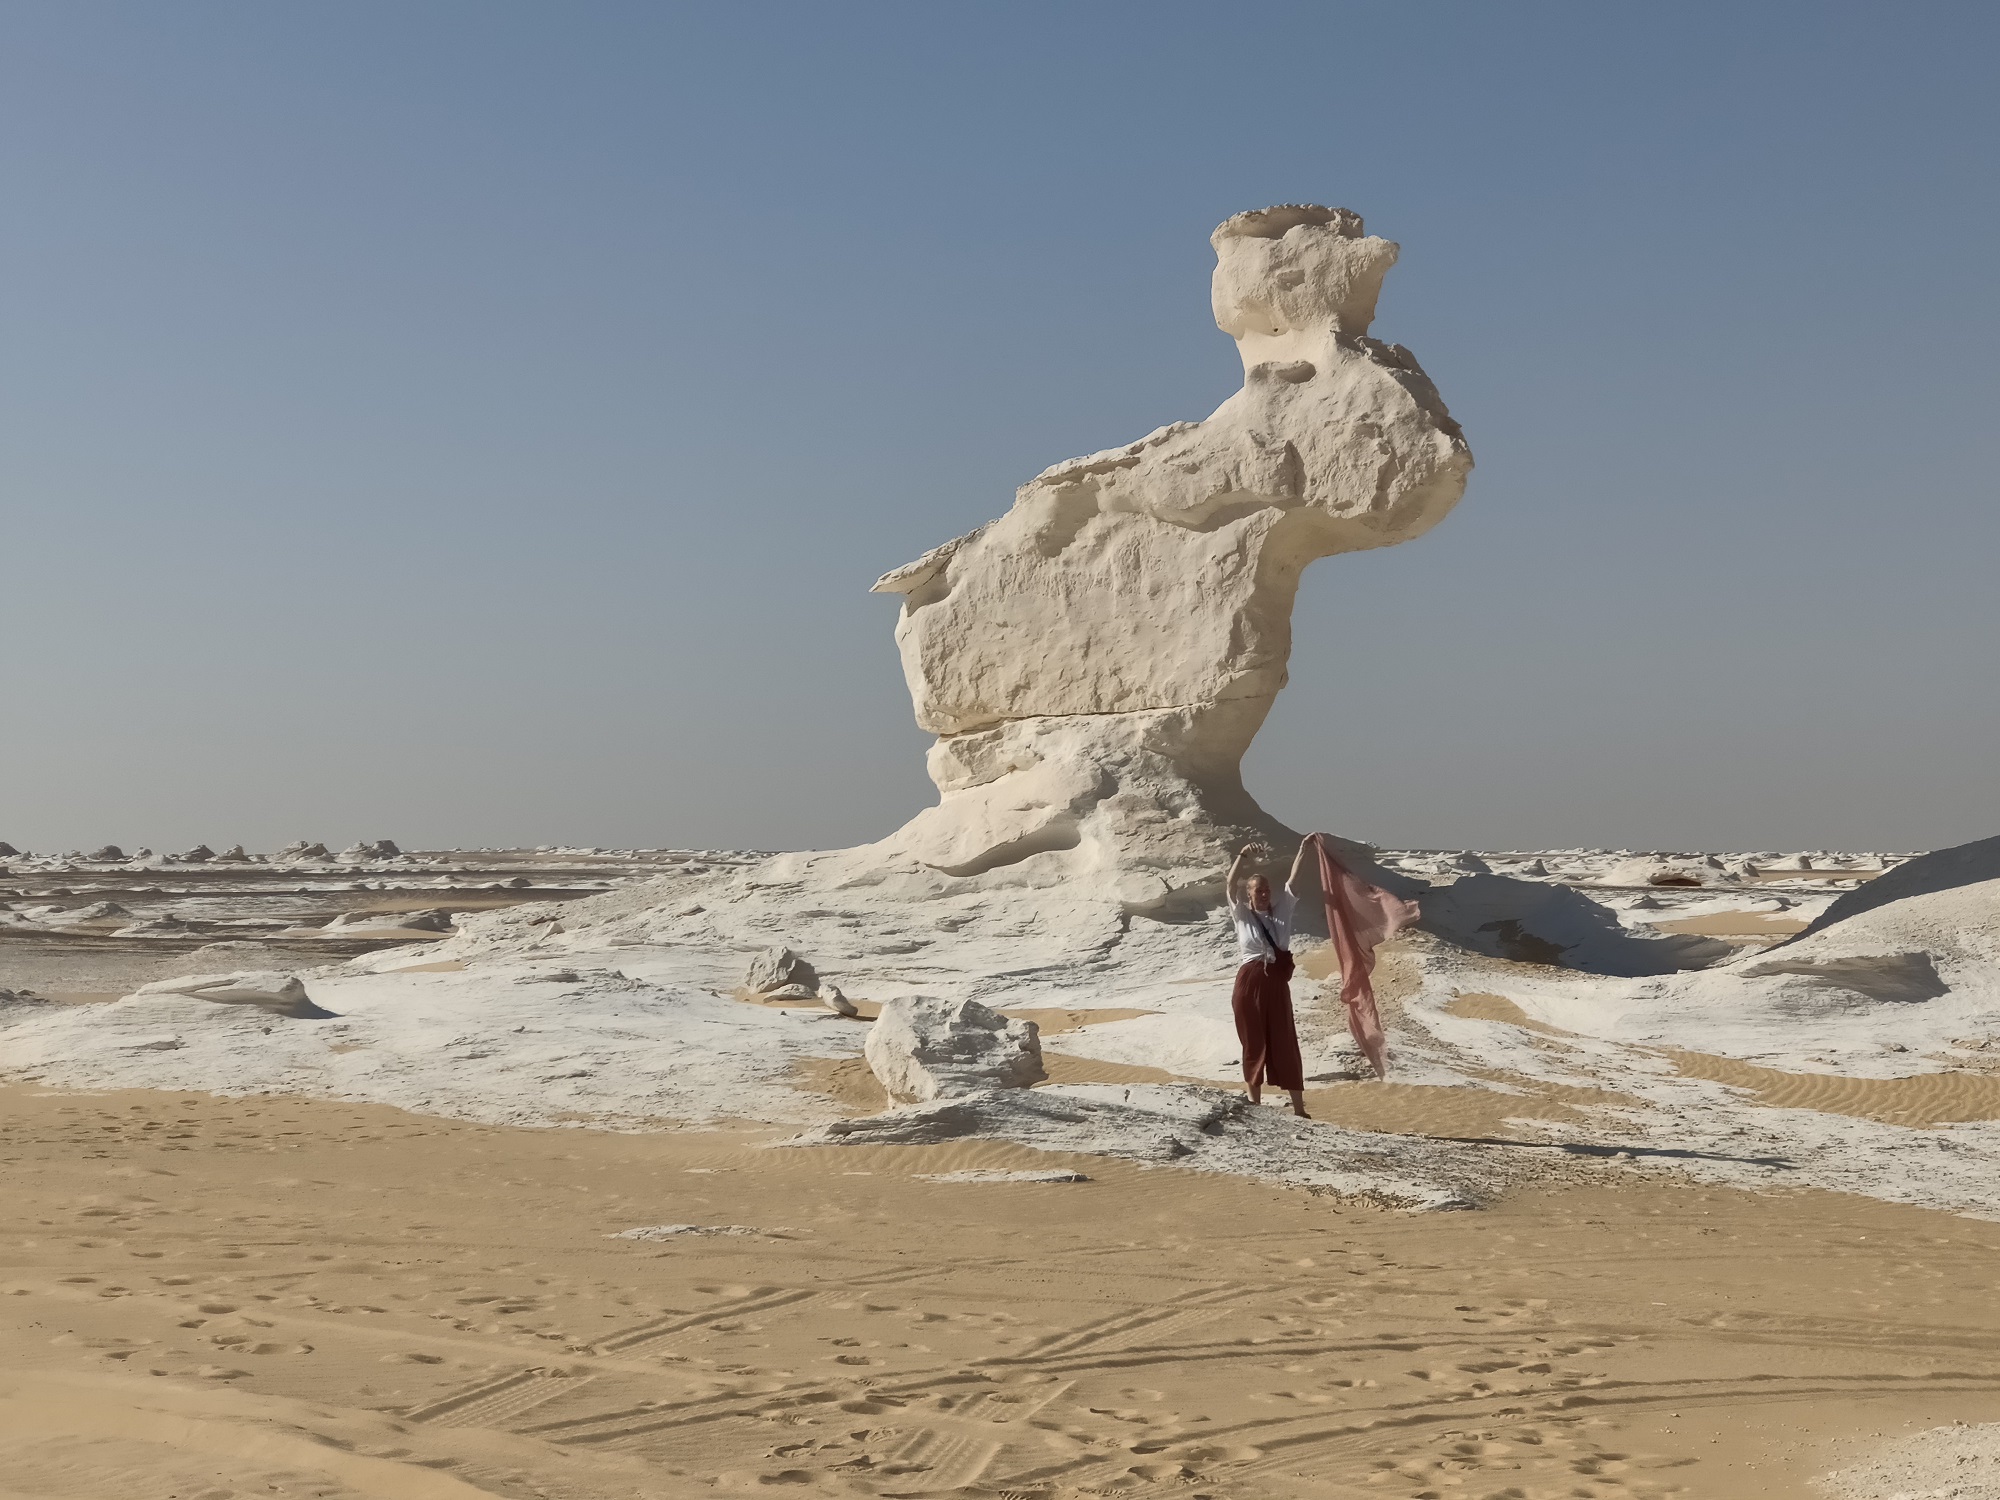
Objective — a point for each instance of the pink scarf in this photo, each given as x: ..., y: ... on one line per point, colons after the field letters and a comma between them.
x: 1360, y: 917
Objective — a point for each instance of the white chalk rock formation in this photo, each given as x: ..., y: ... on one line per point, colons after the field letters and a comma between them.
x: 281, y: 994
x: 924, y: 1048
x: 1694, y: 870
x: 776, y: 969
x: 437, y: 919
x: 1096, y: 661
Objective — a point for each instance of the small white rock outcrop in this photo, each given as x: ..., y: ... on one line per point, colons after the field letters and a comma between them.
x: 923, y: 1048
x: 281, y: 994
x: 777, y: 969
x: 437, y: 919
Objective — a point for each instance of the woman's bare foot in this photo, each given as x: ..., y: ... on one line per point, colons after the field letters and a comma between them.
x: 1299, y: 1105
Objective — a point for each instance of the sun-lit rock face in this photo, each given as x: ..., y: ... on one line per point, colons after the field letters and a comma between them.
x: 1096, y: 661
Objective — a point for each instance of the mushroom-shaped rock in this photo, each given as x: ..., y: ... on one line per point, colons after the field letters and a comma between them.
x: 281, y: 994
x: 234, y: 855
x: 8, y: 851
x: 775, y: 968
x: 200, y: 854
x: 922, y: 1047
x: 1096, y: 661
x: 107, y: 854
x: 301, y: 850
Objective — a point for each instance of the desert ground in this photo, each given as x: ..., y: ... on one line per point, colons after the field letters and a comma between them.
x: 211, y: 1297
x: 535, y: 1202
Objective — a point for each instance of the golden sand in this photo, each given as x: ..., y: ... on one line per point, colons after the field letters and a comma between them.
x: 1927, y: 1099
x: 207, y: 1298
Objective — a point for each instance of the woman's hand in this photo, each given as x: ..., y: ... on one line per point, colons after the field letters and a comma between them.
x: 1299, y: 864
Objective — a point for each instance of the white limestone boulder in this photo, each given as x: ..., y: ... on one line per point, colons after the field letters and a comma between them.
x: 776, y: 968
x: 922, y: 1048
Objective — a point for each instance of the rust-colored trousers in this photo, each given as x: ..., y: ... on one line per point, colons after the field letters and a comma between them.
x: 1263, y: 1004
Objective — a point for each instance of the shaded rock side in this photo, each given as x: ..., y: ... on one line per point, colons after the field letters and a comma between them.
x: 1927, y: 874
x: 924, y: 1048
x: 1096, y: 661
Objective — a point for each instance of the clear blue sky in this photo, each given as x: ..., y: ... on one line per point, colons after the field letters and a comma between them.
x: 481, y: 422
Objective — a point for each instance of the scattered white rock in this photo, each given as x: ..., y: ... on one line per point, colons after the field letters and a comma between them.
x: 678, y: 1231
x: 1958, y: 1462
x: 922, y: 1047
x: 831, y: 997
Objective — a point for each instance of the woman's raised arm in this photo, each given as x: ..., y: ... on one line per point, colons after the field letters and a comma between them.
x: 1298, y: 864
x: 1248, y: 852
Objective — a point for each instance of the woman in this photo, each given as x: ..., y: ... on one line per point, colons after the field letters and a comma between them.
x: 1263, y: 996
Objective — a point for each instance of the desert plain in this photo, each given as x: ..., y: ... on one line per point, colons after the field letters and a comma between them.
x: 409, y: 1261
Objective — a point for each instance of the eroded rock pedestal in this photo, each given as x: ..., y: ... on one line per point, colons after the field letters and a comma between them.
x: 1096, y: 661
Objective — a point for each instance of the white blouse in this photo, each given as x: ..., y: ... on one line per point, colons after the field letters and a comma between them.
x: 1251, y: 943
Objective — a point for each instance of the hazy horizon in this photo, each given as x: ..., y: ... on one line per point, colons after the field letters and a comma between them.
x: 479, y: 425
